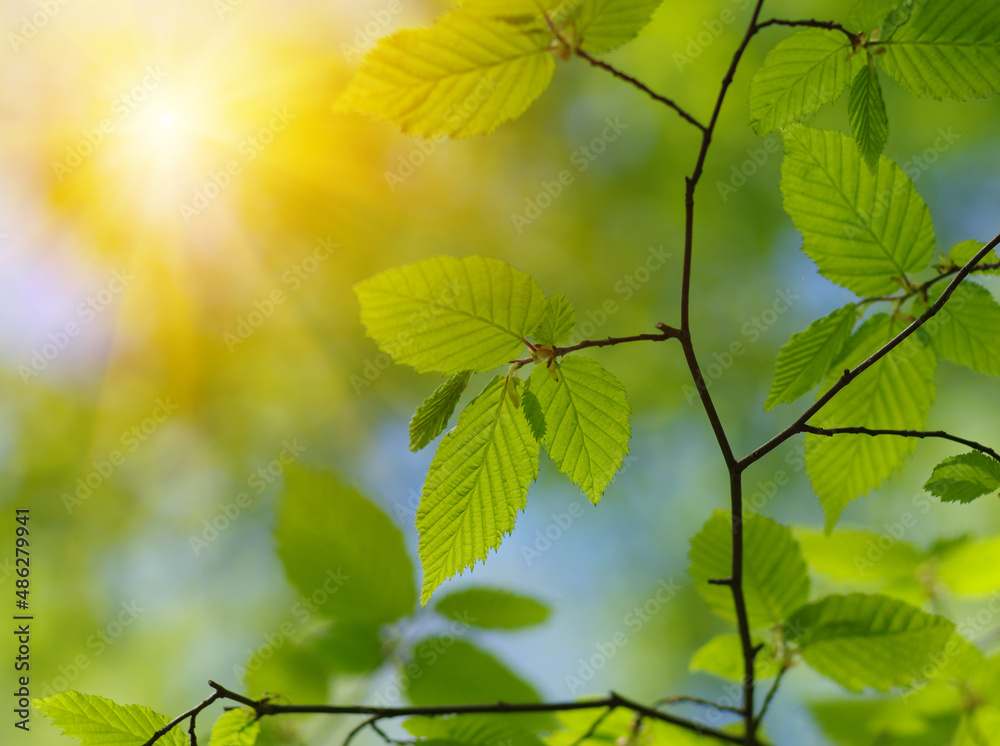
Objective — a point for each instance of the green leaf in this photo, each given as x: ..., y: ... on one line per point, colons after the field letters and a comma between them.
x: 862, y: 228
x: 338, y: 546
x: 964, y: 478
x: 804, y: 360
x: 775, y: 579
x: 971, y: 568
x: 558, y: 323
x: 872, y: 641
x: 859, y: 555
x: 799, y: 75
x: 866, y: 110
x: 237, y: 727
x: 603, y: 25
x: 895, y: 393
x: 491, y: 608
x: 98, y: 721
x: 947, y: 50
x: 722, y: 656
x: 476, y: 485
x: 587, y: 415
x: 886, y: 721
x: 464, y: 76
x: 451, y: 315
x: 967, y: 329
x: 432, y: 416
x: 868, y: 15
x: 616, y: 728
x: 474, y: 730
x: 962, y: 253
x: 533, y: 412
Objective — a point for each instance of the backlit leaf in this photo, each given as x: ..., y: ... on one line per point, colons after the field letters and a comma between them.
x: 97, y: 721
x: 866, y: 110
x: 964, y: 478
x: 432, y: 416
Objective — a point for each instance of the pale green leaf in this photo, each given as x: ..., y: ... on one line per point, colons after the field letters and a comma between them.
x: 895, y: 393
x: 238, y: 727
x: 432, y: 416
x: 722, y: 656
x: 861, y: 555
x: 967, y: 329
x: 947, y: 49
x: 804, y: 360
x: 971, y: 568
x: 559, y: 322
x: 871, y: 641
x: 451, y: 315
x: 964, y: 478
x: 491, y: 608
x: 866, y: 111
x: 476, y: 485
x: 97, y: 721
x: 339, y: 547
x: 799, y: 75
x: 962, y: 253
x: 867, y: 15
x: 775, y: 579
x: 464, y: 76
x: 862, y: 228
x: 587, y: 416
x: 603, y: 25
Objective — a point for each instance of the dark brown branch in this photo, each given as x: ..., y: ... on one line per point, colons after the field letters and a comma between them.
x: 831, y: 431
x: 192, y: 713
x: 641, y: 86
x: 850, y: 375
x: 684, y: 699
x: 828, y: 25
x: 666, y: 332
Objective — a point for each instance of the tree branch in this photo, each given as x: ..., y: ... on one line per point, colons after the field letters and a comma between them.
x: 666, y: 332
x: 192, y: 713
x: 831, y: 431
x: 828, y: 25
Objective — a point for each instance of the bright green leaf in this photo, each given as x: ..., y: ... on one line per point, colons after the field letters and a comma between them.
x: 895, y: 393
x: 967, y: 329
x: 473, y: 730
x: 238, y: 727
x: 491, y: 608
x: 775, y: 579
x: 559, y: 322
x: 464, y: 76
x: 333, y: 540
x: 862, y: 228
x: 964, y: 478
x: 947, y: 49
x: 98, y: 721
x: 859, y: 555
x: 971, y: 568
x: 476, y: 485
x: 806, y: 357
x: 867, y: 15
x: 603, y: 25
x: 451, y: 315
x: 587, y: 415
x: 866, y: 110
x: 799, y: 75
x: 722, y: 656
x: 532, y: 409
x: 872, y: 641
x: 962, y: 253
x: 432, y: 416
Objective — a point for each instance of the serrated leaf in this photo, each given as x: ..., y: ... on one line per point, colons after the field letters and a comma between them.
x: 866, y: 111
x: 804, y: 360
x: 722, y: 656
x: 533, y: 413
x: 432, y: 416
x: 871, y: 641
x: 862, y: 228
x: 967, y: 329
x: 947, y: 49
x: 799, y: 75
x: 338, y: 545
x: 465, y: 75
x: 895, y: 393
x: 558, y: 323
x: 238, y: 727
x: 451, y: 315
x: 971, y: 568
x: 964, y: 478
x: 604, y: 25
x: 775, y: 579
x: 962, y: 253
x: 859, y: 555
x: 491, y: 608
x: 98, y: 721
x: 587, y: 416
x: 476, y: 485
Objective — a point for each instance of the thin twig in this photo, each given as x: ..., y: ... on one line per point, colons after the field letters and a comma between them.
x: 828, y: 25
x: 831, y: 431
x: 192, y: 713
x: 593, y: 727
x: 770, y: 693
x: 684, y: 699
x: 666, y: 332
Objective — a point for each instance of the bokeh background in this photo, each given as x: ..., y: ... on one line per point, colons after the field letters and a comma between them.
x: 166, y: 167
